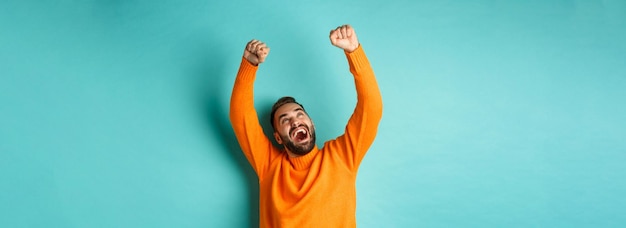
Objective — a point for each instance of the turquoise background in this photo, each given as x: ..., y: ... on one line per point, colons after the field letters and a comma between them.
x: 496, y: 113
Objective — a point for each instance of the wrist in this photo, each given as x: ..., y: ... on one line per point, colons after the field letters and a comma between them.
x: 352, y: 49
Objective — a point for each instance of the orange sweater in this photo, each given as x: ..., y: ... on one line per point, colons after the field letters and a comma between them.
x: 317, y: 189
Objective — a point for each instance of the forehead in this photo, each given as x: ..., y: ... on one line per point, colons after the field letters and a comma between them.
x: 286, y: 108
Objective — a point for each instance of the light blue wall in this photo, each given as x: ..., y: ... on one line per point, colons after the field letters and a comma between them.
x: 497, y: 114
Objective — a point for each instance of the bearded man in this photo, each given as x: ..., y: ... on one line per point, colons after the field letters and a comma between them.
x: 300, y: 184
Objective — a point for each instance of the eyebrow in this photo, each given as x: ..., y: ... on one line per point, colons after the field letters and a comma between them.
x: 285, y: 114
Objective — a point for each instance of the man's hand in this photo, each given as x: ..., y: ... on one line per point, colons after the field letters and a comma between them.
x: 256, y: 52
x: 344, y: 37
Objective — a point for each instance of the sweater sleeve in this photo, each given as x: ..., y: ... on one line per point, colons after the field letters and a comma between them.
x: 255, y: 145
x: 363, y: 124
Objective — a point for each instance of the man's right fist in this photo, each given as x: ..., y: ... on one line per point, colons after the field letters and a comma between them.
x: 256, y: 52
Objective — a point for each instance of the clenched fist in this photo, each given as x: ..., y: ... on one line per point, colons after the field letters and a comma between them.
x: 344, y: 37
x: 256, y: 52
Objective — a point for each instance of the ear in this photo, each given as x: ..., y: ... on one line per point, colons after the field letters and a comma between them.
x: 279, y: 140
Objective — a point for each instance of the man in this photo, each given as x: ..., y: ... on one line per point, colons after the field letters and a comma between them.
x: 301, y: 185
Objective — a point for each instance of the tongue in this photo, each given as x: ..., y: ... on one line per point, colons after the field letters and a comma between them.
x: 300, y: 136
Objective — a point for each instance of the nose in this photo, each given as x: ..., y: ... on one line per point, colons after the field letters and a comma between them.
x: 295, y: 123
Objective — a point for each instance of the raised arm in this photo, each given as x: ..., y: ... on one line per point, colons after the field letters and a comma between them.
x: 363, y: 124
x: 254, y: 144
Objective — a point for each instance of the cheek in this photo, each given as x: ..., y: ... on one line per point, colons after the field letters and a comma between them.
x: 311, y: 122
x: 285, y: 131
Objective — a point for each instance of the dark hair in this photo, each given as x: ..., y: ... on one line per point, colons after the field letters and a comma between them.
x: 280, y: 102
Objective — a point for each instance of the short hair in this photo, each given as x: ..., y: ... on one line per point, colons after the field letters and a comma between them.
x: 280, y: 102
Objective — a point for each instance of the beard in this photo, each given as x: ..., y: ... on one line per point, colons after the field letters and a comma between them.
x: 300, y: 149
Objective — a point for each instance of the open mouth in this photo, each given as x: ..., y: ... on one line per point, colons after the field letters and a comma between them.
x: 300, y: 134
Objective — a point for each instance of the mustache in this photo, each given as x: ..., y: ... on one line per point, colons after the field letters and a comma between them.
x: 296, y: 127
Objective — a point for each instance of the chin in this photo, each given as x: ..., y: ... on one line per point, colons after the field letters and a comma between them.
x: 300, y: 148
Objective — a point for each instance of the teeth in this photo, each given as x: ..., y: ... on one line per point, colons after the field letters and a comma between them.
x: 295, y: 133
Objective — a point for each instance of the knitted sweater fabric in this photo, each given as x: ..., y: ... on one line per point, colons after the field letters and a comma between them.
x: 317, y: 189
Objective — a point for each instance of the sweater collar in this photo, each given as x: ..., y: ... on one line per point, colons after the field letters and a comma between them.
x: 303, y: 161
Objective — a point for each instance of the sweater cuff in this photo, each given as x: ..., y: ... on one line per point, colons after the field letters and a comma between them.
x: 357, y: 58
x: 247, y: 71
